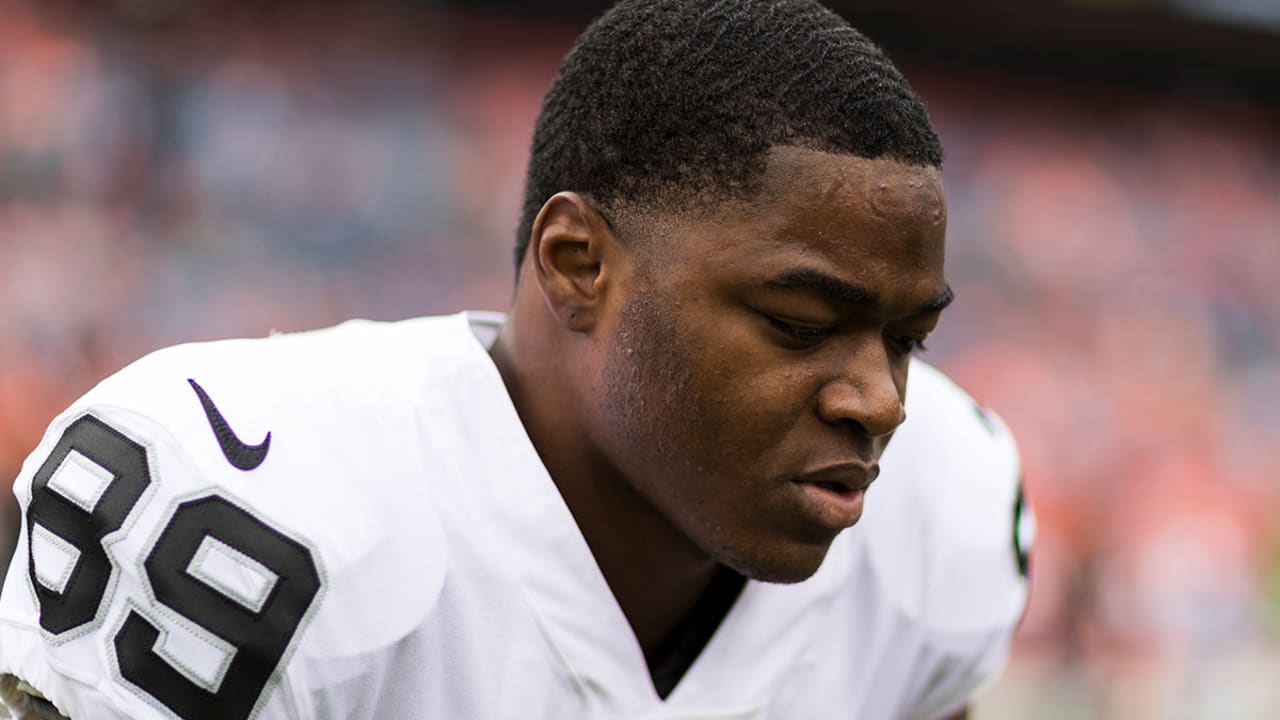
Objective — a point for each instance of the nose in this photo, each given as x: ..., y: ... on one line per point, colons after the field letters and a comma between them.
x: 866, y: 392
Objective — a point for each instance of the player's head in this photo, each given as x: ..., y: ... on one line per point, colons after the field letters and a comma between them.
x: 732, y: 239
x: 668, y: 104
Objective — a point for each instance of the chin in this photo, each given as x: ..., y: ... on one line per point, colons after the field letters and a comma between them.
x: 782, y: 566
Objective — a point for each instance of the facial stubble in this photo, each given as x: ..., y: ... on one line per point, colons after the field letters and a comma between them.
x: 673, y: 434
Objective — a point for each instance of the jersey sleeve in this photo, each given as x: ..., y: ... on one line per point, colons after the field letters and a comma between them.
x: 961, y: 514
x: 156, y: 577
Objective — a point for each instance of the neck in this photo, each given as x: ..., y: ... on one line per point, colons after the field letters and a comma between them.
x: 656, y: 574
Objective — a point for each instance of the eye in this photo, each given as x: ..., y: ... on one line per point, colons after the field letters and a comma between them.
x: 800, y: 336
x: 906, y: 344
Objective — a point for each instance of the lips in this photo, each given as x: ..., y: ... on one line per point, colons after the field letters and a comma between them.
x: 832, y: 497
x: 851, y: 477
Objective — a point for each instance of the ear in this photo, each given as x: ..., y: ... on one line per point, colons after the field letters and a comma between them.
x: 569, y: 249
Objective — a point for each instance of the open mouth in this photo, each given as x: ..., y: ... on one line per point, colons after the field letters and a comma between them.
x: 831, y: 504
x: 837, y: 488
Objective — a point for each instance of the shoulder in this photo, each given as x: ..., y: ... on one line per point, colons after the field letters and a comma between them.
x: 216, y: 509
x: 941, y: 541
x: 357, y: 359
x: 945, y: 511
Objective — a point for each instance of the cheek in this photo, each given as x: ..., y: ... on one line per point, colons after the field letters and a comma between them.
x: 750, y: 393
x: 706, y: 392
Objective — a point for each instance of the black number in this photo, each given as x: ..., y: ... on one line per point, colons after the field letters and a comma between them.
x: 93, y: 501
x: 260, y: 635
x: 83, y: 528
x: 1021, y: 544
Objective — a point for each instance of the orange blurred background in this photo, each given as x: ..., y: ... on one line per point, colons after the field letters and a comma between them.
x: 174, y: 171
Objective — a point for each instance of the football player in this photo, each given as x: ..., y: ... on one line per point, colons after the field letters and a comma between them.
x: 638, y: 495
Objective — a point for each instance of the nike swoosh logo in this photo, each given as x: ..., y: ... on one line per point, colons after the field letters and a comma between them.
x: 240, y: 454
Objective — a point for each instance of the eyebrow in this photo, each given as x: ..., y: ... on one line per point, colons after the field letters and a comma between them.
x: 845, y: 293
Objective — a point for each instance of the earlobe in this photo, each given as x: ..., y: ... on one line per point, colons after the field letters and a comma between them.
x: 567, y: 247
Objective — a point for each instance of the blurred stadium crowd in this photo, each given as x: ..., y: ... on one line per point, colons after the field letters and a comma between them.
x: 1116, y: 258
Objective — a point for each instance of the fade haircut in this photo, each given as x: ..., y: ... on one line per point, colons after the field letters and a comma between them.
x: 670, y: 104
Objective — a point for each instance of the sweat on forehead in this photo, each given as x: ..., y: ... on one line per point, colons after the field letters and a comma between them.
x: 890, y: 189
x: 661, y: 101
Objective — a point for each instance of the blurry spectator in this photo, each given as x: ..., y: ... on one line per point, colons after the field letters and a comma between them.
x: 1115, y: 264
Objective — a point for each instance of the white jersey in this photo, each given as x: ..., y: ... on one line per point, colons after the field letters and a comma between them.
x: 352, y: 523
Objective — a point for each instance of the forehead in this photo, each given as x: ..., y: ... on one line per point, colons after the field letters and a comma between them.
x: 877, y: 222
x: 885, y: 189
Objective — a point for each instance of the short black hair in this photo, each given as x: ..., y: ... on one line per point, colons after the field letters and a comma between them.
x: 663, y: 100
